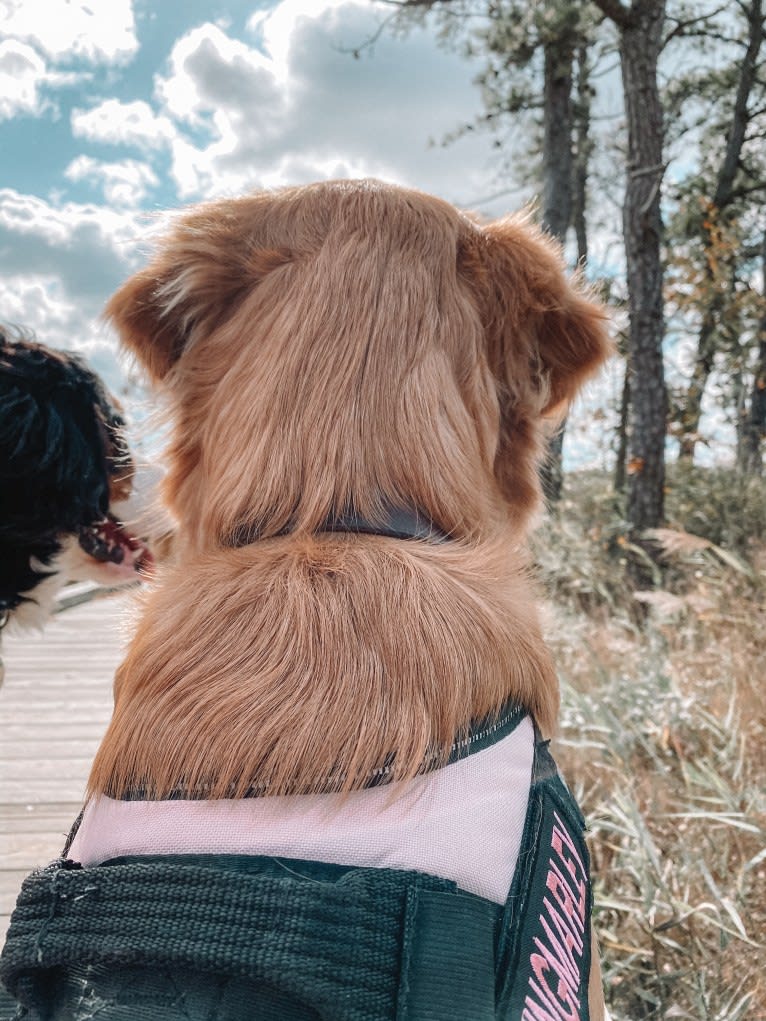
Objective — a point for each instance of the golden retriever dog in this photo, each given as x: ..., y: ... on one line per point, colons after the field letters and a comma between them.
x: 342, y: 675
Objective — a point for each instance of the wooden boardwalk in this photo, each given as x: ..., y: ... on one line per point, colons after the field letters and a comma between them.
x: 54, y: 707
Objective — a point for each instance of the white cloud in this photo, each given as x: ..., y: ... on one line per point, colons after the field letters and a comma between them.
x: 23, y: 77
x: 87, y: 249
x: 32, y: 302
x: 216, y: 84
x: 277, y: 26
x: 296, y: 107
x: 22, y: 71
x: 116, y: 123
x: 297, y: 169
x: 37, y: 304
x: 212, y: 73
x: 58, y: 265
x: 185, y: 168
x: 97, y: 31
x: 123, y: 184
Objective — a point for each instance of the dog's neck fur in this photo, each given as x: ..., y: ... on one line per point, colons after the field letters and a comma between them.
x: 284, y: 680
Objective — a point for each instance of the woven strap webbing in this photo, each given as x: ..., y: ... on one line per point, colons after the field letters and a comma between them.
x: 369, y: 945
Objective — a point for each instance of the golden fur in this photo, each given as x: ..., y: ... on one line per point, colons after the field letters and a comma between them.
x: 346, y: 345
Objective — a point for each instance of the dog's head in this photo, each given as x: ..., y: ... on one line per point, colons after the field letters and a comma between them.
x: 355, y: 345
x: 64, y: 463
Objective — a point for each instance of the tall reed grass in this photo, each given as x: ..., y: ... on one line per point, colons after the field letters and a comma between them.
x: 663, y: 736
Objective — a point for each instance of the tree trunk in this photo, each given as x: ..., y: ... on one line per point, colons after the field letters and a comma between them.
x: 557, y: 199
x: 707, y: 345
x: 563, y: 195
x: 622, y: 435
x: 552, y: 468
x: 640, y: 44
x: 583, y: 147
x: 557, y: 137
x: 754, y: 424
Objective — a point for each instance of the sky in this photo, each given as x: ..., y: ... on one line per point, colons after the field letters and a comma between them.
x: 115, y: 111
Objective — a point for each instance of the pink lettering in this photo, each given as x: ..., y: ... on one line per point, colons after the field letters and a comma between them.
x: 562, y: 1008
x: 564, y: 927
x: 535, y: 1012
x: 561, y: 839
x: 571, y: 902
x: 567, y: 966
x: 556, y: 962
x: 564, y: 987
x: 559, y: 999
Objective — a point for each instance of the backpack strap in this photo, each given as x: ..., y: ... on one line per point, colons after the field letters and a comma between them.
x: 296, y: 940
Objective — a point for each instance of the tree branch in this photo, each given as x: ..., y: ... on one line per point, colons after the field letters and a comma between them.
x: 681, y: 26
x: 616, y: 11
x: 740, y: 119
x: 417, y: 3
x: 369, y: 42
x: 463, y: 9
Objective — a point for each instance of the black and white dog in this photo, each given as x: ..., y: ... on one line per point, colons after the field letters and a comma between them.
x: 65, y: 474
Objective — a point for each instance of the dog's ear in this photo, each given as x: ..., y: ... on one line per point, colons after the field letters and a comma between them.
x: 546, y: 334
x: 201, y: 270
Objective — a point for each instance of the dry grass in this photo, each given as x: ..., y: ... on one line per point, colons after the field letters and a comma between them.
x: 663, y: 736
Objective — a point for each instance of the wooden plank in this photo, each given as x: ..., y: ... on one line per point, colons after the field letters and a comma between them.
x: 10, y: 881
x: 54, y: 717
x: 38, y: 791
x: 54, y: 708
x: 39, y: 818
x: 41, y: 847
x: 61, y: 748
x: 35, y: 768
x: 50, y: 717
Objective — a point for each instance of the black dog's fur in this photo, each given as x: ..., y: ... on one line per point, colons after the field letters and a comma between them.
x: 62, y: 448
